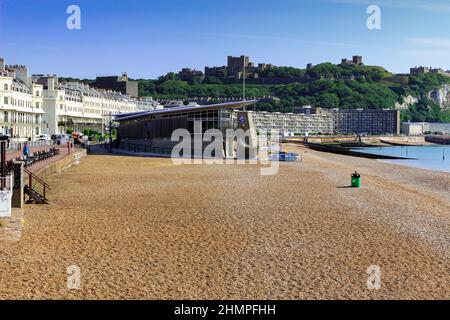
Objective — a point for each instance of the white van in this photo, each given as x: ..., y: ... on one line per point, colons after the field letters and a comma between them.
x: 42, y: 137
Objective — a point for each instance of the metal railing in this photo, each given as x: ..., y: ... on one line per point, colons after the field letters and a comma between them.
x: 6, y: 183
x: 40, y: 187
x: 16, y: 146
x: 39, y: 156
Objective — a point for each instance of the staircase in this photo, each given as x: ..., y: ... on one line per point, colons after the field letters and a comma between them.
x: 35, y: 196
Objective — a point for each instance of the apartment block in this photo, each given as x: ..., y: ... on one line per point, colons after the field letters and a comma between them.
x: 291, y: 123
x: 21, y: 103
x: 78, y: 106
x: 366, y: 121
x: 119, y: 84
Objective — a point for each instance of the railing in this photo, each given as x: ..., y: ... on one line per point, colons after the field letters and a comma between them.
x: 6, y: 183
x: 15, y: 146
x: 42, y: 185
x: 38, y: 156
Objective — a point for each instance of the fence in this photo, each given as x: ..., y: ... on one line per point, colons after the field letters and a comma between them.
x: 16, y: 146
x: 6, y: 195
x: 6, y: 183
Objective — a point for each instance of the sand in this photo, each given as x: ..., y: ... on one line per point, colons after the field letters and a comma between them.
x: 142, y: 228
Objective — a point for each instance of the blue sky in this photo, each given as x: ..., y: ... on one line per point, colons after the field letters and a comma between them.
x: 148, y: 38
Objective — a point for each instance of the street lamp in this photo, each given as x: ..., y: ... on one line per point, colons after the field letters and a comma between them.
x: 12, y: 132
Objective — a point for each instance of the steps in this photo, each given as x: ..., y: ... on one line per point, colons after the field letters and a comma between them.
x: 34, y: 196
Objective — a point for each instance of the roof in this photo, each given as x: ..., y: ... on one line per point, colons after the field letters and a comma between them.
x: 227, y: 105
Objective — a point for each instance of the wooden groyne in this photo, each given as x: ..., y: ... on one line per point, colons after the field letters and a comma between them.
x: 401, y: 144
x: 346, y: 151
x: 438, y: 139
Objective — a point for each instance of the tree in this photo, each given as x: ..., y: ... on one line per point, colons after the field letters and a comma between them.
x: 328, y: 100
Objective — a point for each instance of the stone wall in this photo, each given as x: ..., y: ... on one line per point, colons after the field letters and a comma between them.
x: 61, y: 165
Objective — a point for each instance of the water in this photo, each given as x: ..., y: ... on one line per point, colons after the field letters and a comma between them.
x: 428, y: 157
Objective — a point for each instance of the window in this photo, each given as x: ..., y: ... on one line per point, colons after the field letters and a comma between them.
x: 37, y: 93
x: 6, y: 117
x: 6, y: 87
x: 6, y: 100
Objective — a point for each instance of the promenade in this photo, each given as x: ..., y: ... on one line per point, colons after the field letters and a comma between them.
x: 42, y: 164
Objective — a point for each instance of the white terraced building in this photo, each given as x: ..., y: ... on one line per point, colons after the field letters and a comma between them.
x: 77, y: 106
x: 21, y: 104
x: 292, y: 123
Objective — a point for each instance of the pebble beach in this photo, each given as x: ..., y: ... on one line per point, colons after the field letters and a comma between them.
x: 144, y: 228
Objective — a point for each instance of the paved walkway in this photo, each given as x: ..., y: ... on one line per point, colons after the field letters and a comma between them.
x: 42, y: 164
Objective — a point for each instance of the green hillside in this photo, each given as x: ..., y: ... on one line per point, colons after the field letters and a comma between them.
x: 325, y: 85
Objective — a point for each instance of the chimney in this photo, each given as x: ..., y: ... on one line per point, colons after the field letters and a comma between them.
x: 51, y: 84
x: 2, y: 64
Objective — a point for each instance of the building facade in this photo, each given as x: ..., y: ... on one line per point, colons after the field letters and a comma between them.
x: 187, y: 74
x: 356, y: 60
x: 119, y: 84
x: 21, y: 104
x: 235, y: 68
x: 151, y: 131
x: 76, y: 106
x: 291, y: 123
x: 423, y: 70
x: 415, y: 128
x: 421, y: 128
x: 366, y: 121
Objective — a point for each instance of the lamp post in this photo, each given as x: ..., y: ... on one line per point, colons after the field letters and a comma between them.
x: 110, y: 132
x: 3, y: 141
x: 12, y: 132
x: 32, y: 121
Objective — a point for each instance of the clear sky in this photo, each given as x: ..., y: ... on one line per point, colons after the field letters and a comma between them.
x: 148, y: 38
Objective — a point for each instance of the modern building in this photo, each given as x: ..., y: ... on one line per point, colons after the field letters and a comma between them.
x: 415, y: 128
x: 421, y: 128
x: 151, y: 131
x: 21, y: 104
x: 76, y: 106
x: 119, y: 84
x: 366, y: 121
x: 442, y: 128
x: 292, y: 123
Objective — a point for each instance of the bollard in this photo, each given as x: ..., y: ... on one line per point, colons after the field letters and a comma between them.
x: 356, y: 180
x: 17, y: 200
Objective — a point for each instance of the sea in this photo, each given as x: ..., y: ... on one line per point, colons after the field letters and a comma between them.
x: 434, y: 157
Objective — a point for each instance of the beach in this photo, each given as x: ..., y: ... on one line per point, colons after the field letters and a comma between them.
x: 143, y: 228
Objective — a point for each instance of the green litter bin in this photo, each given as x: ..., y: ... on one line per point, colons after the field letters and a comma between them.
x: 356, y: 180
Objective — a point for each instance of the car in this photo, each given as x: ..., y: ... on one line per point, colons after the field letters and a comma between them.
x: 59, y: 139
x: 42, y: 137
